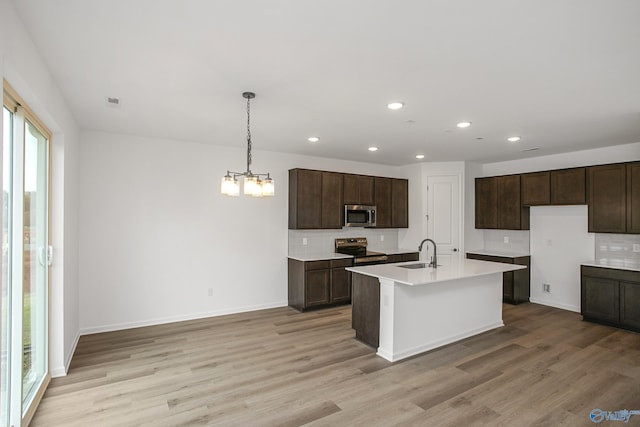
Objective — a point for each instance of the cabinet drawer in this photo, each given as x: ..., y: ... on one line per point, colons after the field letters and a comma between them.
x: 316, y: 265
x: 411, y: 256
x: 394, y: 258
x: 341, y: 263
x: 491, y: 258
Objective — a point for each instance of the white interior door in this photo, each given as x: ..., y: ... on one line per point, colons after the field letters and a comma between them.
x: 444, y: 222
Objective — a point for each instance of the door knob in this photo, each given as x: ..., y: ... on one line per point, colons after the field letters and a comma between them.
x: 455, y: 249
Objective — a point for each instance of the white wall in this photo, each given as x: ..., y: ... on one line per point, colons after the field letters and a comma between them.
x: 559, y: 244
x: 23, y: 67
x: 596, y: 156
x: 473, y: 238
x: 157, y: 237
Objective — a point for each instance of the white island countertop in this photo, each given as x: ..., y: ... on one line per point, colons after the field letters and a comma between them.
x: 324, y: 256
x: 465, y: 268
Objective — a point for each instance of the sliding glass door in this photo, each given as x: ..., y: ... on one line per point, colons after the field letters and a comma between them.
x: 34, y: 262
x: 26, y: 252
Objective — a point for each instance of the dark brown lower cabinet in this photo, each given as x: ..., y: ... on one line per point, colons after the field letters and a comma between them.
x: 409, y: 256
x: 515, y: 284
x: 365, y: 309
x: 318, y: 283
x: 610, y: 296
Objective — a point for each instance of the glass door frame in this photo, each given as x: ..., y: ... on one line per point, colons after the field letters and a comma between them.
x: 21, y: 412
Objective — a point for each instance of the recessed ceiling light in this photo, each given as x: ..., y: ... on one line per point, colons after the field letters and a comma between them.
x: 373, y: 148
x: 463, y: 125
x: 313, y: 139
x: 513, y: 139
x: 395, y: 105
x: 419, y: 156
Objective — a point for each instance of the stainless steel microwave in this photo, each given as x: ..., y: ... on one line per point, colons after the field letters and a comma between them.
x: 359, y: 216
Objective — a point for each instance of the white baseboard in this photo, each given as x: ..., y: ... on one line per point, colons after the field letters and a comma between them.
x: 394, y: 357
x: 555, y: 304
x: 61, y: 371
x: 180, y: 318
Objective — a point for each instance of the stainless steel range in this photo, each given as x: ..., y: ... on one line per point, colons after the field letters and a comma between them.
x: 357, y: 246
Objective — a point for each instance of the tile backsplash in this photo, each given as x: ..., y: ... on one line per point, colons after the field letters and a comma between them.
x: 516, y: 240
x: 618, y: 249
x: 322, y: 241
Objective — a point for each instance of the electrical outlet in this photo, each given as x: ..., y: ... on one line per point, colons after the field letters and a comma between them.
x: 304, y: 241
x: 546, y: 287
x: 506, y: 239
x: 382, y: 237
x: 210, y: 292
x: 636, y: 247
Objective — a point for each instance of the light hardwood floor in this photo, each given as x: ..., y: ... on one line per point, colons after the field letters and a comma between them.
x: 283, y: 368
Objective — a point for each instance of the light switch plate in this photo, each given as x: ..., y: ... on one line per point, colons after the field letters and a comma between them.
x: 304, y: 241
x: 506, y: 239
x: 636, y: 247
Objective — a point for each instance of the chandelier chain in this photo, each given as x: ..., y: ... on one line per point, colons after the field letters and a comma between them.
x: 249, y: 135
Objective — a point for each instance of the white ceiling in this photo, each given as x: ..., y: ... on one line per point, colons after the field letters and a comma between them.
x: 563, y: 74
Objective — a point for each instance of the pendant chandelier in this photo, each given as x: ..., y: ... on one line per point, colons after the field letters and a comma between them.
x: 253, y: 185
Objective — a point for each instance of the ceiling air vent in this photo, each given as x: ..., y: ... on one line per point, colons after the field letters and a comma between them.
x: 530, y: 149
x: 112, y: 102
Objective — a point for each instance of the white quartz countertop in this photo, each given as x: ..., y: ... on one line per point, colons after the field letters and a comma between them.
x: 506, y: 254
x: 465, y: 268
x: 619, y: 264
x: 320, y: 256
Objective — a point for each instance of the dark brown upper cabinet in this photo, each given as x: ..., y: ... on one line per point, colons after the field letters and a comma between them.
x: 486, y: 203
x: 536, y: 188
x: 315, y: 199
x: 607, y: 198
x: 499, y: 205
x: 556, y: 187
x: 305, y: 198
x: 358, y: 189
x: 383, y: 202
x: 332, y: 204
x: 511, y: 214
x: 568, y: 186
x: 399, y: 203
x: 392, y: 202
x: 633, y: 197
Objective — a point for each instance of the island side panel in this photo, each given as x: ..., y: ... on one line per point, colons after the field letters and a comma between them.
x: 365, y: 311
x: 386, y: 348
x: 421, y: 318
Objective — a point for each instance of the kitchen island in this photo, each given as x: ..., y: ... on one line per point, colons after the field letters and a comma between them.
x: 406, y: 311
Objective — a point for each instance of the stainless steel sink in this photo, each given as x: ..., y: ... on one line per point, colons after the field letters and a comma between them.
x: 417, y: 265
x: 414, y: 266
